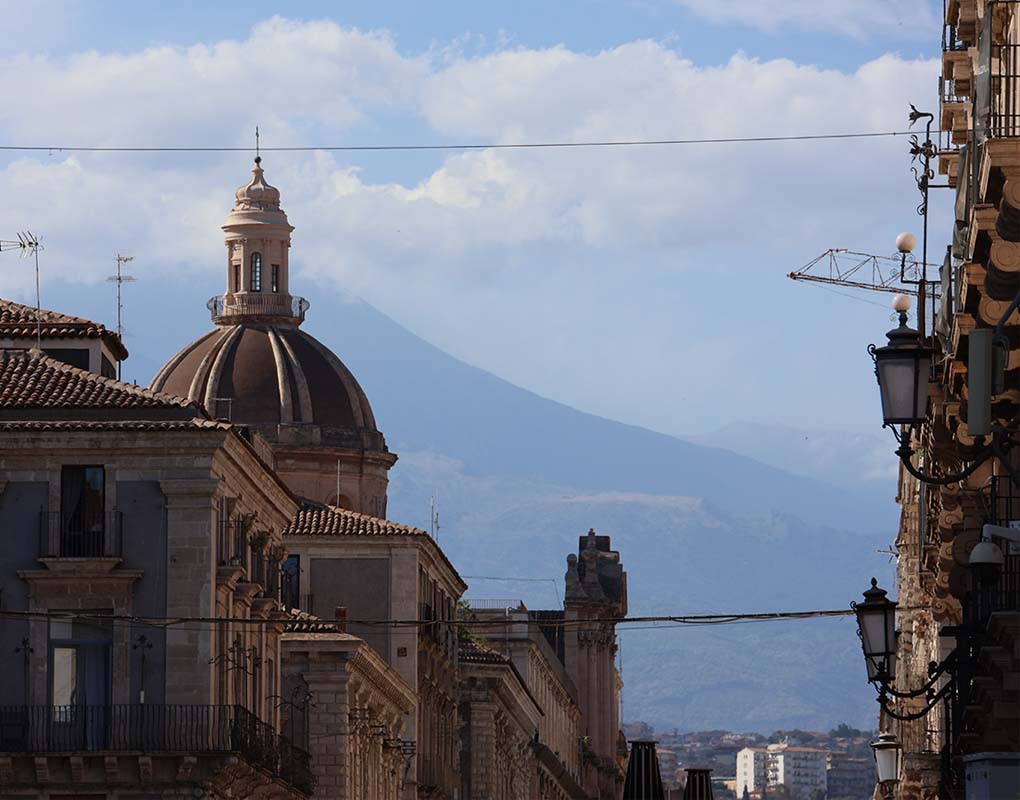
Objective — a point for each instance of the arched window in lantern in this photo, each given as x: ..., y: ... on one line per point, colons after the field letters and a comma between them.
x: 256, y: 272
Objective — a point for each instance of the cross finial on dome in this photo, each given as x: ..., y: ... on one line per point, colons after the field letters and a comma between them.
x: 258, y: 155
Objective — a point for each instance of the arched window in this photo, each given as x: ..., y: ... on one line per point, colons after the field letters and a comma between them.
x: 256, y: 272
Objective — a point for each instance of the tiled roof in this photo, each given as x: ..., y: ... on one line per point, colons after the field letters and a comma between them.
x: 31, y: 380
x: 474, y: 652
x: 134, y: 425
x: 303, y: 622
x: 19, y: 321
x: 315, y: 519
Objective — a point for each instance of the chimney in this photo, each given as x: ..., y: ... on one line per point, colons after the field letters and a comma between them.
x: 699, y: 784
x: 340, y: 615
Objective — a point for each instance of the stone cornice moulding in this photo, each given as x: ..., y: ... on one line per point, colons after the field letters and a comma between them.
x: 189, y: 492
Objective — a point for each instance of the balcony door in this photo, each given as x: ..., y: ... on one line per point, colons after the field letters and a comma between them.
x: 80, y: 685
x: 82, y: 512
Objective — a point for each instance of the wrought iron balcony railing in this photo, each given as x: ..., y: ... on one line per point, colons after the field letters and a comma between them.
x: 81, y: 534
x: 41, y: 730
x: 1004, y: 116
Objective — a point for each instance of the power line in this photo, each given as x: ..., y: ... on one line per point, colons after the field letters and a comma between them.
x: 179, y: 623
x: 411, y: 147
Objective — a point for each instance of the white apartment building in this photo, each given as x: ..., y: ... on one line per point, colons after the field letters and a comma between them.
x: 802, y: 770
x: 752, y: 769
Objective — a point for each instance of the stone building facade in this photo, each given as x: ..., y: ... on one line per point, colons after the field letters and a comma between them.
x: 347, y: 706
x: 596, y: 596
x: 499, y: 717
x: 963, y: 746
x: 376, y: 570
x: 110, y: 498
x: 567, y: 660
x: 509, y: 631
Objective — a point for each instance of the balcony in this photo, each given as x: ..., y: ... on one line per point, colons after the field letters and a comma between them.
x: 153, y: 730
x: 81, y: 535
x: 1004, y: 117
x: 230, y: 308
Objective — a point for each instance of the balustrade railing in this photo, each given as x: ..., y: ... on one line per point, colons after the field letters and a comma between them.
x: 154, y: 728
x: 81, y: 534
x: 259, y: 303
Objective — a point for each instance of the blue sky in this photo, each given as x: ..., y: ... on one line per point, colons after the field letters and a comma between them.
x: 644, y: 285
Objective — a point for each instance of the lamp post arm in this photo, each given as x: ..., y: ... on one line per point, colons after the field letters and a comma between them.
x: 883, y: 701
x: 905, y: 453
x: 934, y: 673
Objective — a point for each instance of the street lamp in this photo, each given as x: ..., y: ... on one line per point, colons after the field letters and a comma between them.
x: 887, y: 752
x: 876, y: 627
x: 902, y: 368
x: 876, y: 622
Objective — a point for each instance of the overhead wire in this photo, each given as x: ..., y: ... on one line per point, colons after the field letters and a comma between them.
x: 442, y: 147
x: 201, y: 623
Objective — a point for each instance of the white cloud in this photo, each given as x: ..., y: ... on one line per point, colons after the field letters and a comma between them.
x: 545, y: 266
x: 857, y: 18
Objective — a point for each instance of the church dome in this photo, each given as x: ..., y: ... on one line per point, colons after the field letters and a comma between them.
x: 258, y: 369
x: 265, y: 376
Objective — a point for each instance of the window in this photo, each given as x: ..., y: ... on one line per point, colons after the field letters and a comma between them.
x: 82, y: 511
x: 292, y: 582
x: 256, y: 272
x: 276, y: 278
x: 236, y: 286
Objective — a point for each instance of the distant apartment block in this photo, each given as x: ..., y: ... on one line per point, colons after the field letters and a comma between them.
x: 800, y: 769
x: 752, y: 769
x: 850, y: 778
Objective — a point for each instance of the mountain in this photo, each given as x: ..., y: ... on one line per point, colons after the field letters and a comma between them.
x: 853, y: 460
x: 700, y: 528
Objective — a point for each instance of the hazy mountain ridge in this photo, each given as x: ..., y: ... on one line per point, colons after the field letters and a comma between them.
x: 700, y: 529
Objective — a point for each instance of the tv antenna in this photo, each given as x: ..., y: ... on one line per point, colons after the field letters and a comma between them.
x: 120, y: 279
x: 434, y: 517
x: 29, y: 244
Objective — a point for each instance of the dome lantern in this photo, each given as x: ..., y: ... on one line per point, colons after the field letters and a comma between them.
x: 258, y: 261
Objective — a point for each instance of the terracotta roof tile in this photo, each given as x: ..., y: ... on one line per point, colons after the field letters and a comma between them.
x: 19, y: 321
x: 303, y: 622
x: 315, y: 519
x: 474, y: 652
x: 112, y: 425
x: 31, y: 380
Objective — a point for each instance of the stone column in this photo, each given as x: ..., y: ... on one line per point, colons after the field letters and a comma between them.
x: 190, y: 589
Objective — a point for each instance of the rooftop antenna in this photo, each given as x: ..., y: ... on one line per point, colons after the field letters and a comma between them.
x: 29, y: 243
x: 434, y: 516
x: 120, y: 279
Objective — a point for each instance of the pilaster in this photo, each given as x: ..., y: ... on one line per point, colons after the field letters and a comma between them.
x: 190, y: 589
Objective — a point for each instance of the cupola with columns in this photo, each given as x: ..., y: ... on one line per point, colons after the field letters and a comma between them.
x: 257, y: 368
x: 258, y: 250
